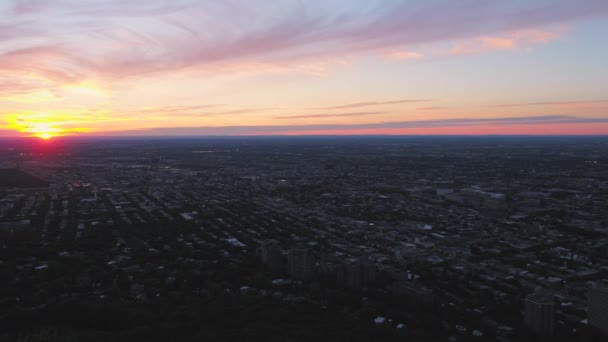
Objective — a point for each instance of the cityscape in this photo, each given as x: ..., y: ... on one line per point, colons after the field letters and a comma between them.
x: 294, y: 171
x: 370, y: 238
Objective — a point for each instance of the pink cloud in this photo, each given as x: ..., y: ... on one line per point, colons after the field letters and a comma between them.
x: 432, y: 108
x: 310, y: 116
x: 68, y: 41
x: 552, y: 103
x: 537, y: 36
x: 507, y: 41
x: 295, y: 35
x: 536, y: 124
x: 376, y: 103
x: 402, y: 55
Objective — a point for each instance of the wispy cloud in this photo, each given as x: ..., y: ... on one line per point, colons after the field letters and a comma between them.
x: 550, y: 103
x: 178, y: 109
x: 10, y: 133
x: 283, y: 129
x: 432, y: 108
x: 508, y: 41
x: 403, y: 55
x: 310, y: 116
x: 192, y: 111
x: 375, y: 103
x: 72, y: 40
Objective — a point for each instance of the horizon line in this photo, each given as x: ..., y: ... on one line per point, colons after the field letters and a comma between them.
x: 297, y: 136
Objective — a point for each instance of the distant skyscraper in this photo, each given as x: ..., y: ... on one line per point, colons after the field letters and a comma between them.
x: 301, y: 263
x: 597, y: 311
x: 539, y: 313
x: 271, y: 256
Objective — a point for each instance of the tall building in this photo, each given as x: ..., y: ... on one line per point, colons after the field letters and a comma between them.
x: 358, y: 274
x: 301, y: 263
x: 539, y: 313
x: 597, y: 311
x: 271, y: 256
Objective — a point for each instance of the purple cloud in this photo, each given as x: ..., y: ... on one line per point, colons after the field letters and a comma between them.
x: 310, y: 116
x: 375, y: 103
x: 549, y: 103
x: 282, y: 129
x: 111, y: 38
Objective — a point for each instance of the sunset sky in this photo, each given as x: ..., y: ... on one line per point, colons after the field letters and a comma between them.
x: 243, y: 67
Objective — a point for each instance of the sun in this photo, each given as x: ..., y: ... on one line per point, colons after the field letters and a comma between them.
x: 44, y: 130
x: 44, y: 125
x: 44, y: 135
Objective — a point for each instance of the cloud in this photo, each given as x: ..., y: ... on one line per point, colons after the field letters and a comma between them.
x: 309, y: 116
x: 112, y: 39
x: 549, y: 103
x: 284, y: 129
x: 30, y: 96
x: 178, y: 109
x: 403, y: 55
x: 193, y: 111
x: 41, y: 68
x: 10, y: 133
x: 432, y: 108
x: 375, y: 103
x: 105, y: 8
x: 507, y: 41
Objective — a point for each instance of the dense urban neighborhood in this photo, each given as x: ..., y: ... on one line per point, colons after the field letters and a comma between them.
x: 297, y: 239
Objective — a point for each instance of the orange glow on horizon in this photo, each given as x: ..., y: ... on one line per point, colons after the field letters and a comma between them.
x: 48, y: 125
x: 45, y: 136
x: 43, y: 130
x: 42, y: 125
x: 548, y: 129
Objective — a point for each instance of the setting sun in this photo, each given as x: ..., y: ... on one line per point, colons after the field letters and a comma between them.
x: 43, y: 130
x: 44, y: 125
x: 44, y: 136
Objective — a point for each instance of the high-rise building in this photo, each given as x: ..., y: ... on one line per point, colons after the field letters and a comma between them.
x: 539, y: 313
x: 597, y: 310
x: 358, y: 274
x: 301, y: 263
x: 271, y: 256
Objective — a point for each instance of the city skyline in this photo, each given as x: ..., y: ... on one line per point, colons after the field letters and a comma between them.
x: 292, y: 68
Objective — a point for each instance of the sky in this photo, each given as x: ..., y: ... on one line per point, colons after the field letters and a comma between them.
x: 295, y: 67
